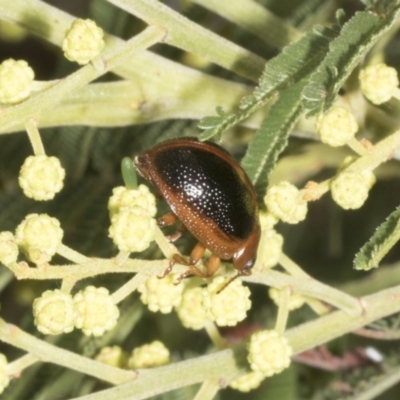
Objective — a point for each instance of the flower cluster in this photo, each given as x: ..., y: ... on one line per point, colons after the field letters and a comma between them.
x: 228, y: 306
x: 161, y: 294
x: 132, y: 218
x: 41, y: 177
x: 285, y: 201
x: 269, y: 352
x: 112, y: 355
x: 149, y: 355
x: 83, y: 41
x: 378, y: 83
x: 39, y: 236
x: 8, y: 248
x: 16, y: 78
x: 350, y: 189
x: 91, y: 310
x: 336, y: 127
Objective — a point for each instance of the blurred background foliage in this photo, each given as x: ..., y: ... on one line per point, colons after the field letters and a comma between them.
x: 324, y: 244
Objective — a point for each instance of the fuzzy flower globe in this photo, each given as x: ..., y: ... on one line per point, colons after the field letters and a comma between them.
x: 8, y: 248
x: 54, y: 312
x: 378, y: 83
x: 39, y: 236
x: 149, y: 355
x: 350, y: 189
x: 269, y: 352
x: 125, y: 198
x: 285, y: 202
x: 161, y: 294
x: 190, y: 310
x: 295, y: 301
x: 247, y: 382
x: 96, y: 311
x: 132, y: 229
x: 16, y: 78
x: 83, y: 41
x: 336, y: 127
x: 112, y: 355
x: 229, y: 306
x: 271, y: 248
x: 41, y: 177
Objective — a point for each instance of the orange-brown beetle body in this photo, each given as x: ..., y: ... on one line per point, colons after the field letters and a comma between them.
x: 210, y: 193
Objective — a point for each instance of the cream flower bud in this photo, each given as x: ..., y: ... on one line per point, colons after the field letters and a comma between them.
x: 132, y: 229
x: 54, y: 312
x: 269, y: 352
x: 4, y: 378
x: 190, y: 310
x: 112, y: 355
x: 149, y: 355
x: 272, y: 243
x: 337, y: 127
x: 295, y: 300
x: 350, y: 189
x: 268, y: 220
x: 229, y: 306
x: 83, y: 41
x: 161, y: 294
x: 41, y: 177
x: 141, y: 197
x: 8, y: 248
x: 39, y: 237
x: 284, y: 200
x: 16, y: 78
x: 247, y: 382
x: 378, y: 83
x: 96, y: 310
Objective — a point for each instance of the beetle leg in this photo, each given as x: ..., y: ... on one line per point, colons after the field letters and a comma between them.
x: 195, y: 256
x: 243, y: 272
x: 176, y: 258
x: 167, y: 220
x: 179, y: 232
x: 170, y: 219
x: 213, y: 264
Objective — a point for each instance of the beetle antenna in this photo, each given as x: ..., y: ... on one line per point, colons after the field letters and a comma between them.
x: 229, y: 282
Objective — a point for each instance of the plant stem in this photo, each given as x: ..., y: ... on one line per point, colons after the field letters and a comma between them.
x: 14, y: 368
x: 208, y: 390
x: 72, y: 255
x: 213, y: 333
x: 49, y: 98
x: 191, y: 37
x: 165, y: 246
x: 129, y: 287
x: 283, y: 310
x: 357, y: 147
x: 224, y: 364
x: 34, y: 137
x: 256, y: 19
x: 390, y: 379
x: 308, y: 287
x: 11, y: 334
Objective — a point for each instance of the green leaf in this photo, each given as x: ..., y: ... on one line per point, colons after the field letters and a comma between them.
x: 385, y: 237
x: 294, y: 63
x: 272, y: 137
x: 358, y: 35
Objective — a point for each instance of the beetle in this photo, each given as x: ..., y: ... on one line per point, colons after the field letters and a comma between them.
x: 212, y: 196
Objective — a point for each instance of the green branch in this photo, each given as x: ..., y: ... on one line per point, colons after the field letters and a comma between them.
x: 256, y: 19
x: 47, y: 352
x: 191, y: 37
x: 50, y: 97
x: 229, y: 364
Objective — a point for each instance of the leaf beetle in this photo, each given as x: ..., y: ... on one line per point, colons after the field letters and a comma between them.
x: 210, y: 193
